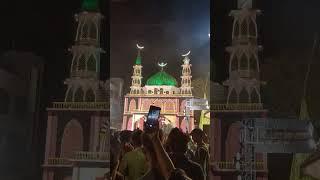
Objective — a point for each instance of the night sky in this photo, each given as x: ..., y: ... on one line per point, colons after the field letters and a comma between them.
x: 167, y: 29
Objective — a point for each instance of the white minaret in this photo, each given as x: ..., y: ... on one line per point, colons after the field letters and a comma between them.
x: 244, y: 79
x: 137, y: 74
x: 84, y: 84
x: 186, y: 88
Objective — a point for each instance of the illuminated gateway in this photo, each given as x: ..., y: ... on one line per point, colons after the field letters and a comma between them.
x: 160, y: 89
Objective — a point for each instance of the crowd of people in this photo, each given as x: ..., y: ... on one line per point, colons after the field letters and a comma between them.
x: 137, y: 155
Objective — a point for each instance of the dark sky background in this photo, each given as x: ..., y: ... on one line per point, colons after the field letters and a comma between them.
x: 167, y: 29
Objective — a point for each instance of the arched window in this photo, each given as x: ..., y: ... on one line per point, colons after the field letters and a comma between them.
x: 253, y: 63
x: 244, y: 28
x: 72, y: 139
x: 161, y: 91
x: 91, y: 63
x: 255, y: 96
x: 78, y: 96
x: 236, y: 29
x: 243, y: 62
x: 234, y: 63
x: 252, y: 28
x: 233, y: 97
x: 82, y: 63
x: 132, y: 105
x: 93, y: 31
x: 74, y: 64
x: 4, y: 102
x: 243, y: 96
x: 90, y: 96
x: 69, y: 95
x: 232, y: 142
x: 169, y: 106
x: 85, y: 31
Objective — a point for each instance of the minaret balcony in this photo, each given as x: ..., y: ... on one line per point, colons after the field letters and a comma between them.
x: 58, y: 162
x: 221, y: 167
x: 244, y: 39
x: 237, y: 107
x: 80, y: 106
x: 91, y: 156
x: 244, y: 74
x: 84, y: 74
x: 88, y: 41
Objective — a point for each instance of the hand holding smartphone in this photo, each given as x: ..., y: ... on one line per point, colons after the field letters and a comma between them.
x: 152, y: 122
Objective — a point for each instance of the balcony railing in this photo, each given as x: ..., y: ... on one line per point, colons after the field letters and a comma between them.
x: 229, y: 165
x: 237, y: 107
x: 245, y: 73
x: 81, y: 105
x: 91, y: 156
x: 84, y: 74
x: 58, y: 162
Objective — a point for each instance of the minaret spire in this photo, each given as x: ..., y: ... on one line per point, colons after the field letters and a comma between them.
x: 186, y: 75
x: 137, y: 73
x: 162, y: 65
x: 84, y: 84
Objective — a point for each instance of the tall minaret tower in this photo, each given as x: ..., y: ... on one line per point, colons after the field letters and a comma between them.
x: 244, y: 81
x: 137, y: 74
x: 186, y: 88
x: 84, y: 84
x: 77, y: 136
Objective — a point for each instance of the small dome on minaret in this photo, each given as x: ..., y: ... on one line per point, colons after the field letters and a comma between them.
x: 90, y: 5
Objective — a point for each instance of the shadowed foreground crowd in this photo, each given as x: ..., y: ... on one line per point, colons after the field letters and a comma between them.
x: 143, y: 156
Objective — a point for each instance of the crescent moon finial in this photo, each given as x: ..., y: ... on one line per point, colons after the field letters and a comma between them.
x: 140, y: 47
x: 187, y: 54
x: 162, y: 65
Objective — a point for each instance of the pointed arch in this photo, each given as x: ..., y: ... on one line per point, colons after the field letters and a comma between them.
x: 169, y: 106
x: 132, y: 105
x: 183, y: 105
x: 146, y: 104
x: 252, y: 28
x: 90, y: 96
x: 91, y: 63
x: 243, y: 62
x: 236, y: 29
x: 233, y: 98
x: 244, y: 96
x: 234, y: 63
x: 82, y: 63
x: 74, y: 64
x: 69, y: 95
x: 85, y: 31
x: 93, y: 30
x: 78, y: 95
x: 244, y: 28
x: 72, y: 139
x: 232, y: 142
x: 253, y: 66
x: 255, y: 98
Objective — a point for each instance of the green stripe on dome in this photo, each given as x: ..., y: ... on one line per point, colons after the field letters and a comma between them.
x: 161, y: 79
x: 90, y: 5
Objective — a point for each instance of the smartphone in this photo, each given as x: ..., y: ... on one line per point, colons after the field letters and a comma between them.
x: 152, y: 122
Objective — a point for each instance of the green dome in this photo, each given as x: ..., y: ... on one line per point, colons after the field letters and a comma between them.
x: 90, y: 5
x: 161, y: 79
